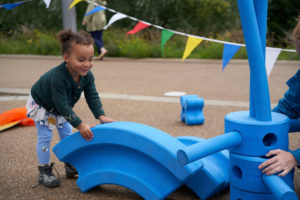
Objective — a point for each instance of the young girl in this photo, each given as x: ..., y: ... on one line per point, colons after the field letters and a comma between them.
x: 54, y: 95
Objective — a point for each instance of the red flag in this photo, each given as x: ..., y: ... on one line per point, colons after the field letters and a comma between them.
x: 137, y: 28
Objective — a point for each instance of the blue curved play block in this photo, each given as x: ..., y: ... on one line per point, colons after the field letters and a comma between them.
x: 192, y: 110
x: 136, y: 156
x: 214, y: 176
x: 258, y: 137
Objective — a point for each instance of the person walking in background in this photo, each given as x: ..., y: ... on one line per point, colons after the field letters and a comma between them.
x: 94, y: 25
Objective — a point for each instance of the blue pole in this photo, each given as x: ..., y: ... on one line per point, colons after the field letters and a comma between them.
x: 279, y: 188
x: 208, y: 147
x: 260, y: 106
x: 261, y: 10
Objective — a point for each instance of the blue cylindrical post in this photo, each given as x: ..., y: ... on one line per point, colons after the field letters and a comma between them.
x: 261, y: 10
x: 260, y: 106
x: 279, y: 188
x: 208, y: 147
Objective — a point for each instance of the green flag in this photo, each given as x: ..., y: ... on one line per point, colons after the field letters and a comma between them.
x: 165, y: 36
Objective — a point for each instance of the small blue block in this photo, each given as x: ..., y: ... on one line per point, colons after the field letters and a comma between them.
x: 192, y: 109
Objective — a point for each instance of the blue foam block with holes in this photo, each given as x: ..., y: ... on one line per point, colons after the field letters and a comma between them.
x: 214, y: 176
x: 259, y: 137
x: 135, y: 156
x: 237, y: 194
x: 192, y: 110
x: 245, y: 175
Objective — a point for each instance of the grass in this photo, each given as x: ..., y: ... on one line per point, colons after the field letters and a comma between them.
x: 145, y: 43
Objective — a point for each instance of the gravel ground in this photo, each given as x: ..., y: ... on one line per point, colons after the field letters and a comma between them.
x: 148, y: 77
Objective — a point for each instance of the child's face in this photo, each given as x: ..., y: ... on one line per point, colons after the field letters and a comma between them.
x: 80, y: 59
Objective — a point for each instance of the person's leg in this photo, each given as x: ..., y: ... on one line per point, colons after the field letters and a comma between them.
x: 99, y: 34
x: 95, y: 36
x: 102, y: 49
x: 64, y: 132
x: 46, y: 177
x: 43, y: 144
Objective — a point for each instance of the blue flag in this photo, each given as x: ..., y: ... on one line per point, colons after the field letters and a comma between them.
x: 9, y: 6
x: 98, y: 8
x: 228, y: 52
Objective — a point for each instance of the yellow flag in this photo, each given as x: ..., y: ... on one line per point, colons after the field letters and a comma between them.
x: 74, y: 3
x: 191, y: 44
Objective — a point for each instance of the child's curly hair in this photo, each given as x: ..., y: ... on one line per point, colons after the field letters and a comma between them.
x: 67, y: 37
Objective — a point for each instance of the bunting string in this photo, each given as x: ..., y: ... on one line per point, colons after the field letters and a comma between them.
x: 180, y: 33
x: 229, y: 50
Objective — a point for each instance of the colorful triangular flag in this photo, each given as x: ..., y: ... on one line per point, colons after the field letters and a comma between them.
x: 9, y: 6
x: 229, y: 51
x: 47, y: 2
x: 96, y: 9
x: 114, y: 18
x: 191, y: 44
x: 271, y: 57
x: 139, y: 26
x: 165, y: 36
x: 74, y: 3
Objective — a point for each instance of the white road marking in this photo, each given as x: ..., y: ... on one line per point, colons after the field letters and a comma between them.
x: 19, y: 94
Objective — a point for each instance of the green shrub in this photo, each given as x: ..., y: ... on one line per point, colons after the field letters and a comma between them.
x: 145, y: 43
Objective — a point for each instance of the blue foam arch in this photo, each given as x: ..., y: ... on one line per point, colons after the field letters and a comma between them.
x: 129, y: 154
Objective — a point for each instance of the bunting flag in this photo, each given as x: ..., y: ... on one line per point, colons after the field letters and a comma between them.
x: 165, y: 36
x: 47, y: 2
x: 74, y: 3
x: 191, y: 44
x: 138, y: 27
x: 114, y: 18
x: 229, y: 51
x: 9, y: 6
x: 271, y: 57
x: 96, y: 9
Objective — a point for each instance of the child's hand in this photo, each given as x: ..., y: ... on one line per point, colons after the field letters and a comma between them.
x: 104, y: 119
x: 85, y: 131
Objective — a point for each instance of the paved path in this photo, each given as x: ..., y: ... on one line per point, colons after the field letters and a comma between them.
x: 131, y: 90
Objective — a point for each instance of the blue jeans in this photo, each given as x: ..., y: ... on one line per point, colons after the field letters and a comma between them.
x: 97, y: 36
x: 44, y: 135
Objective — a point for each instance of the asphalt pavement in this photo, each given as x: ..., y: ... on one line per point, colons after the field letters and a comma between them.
x: 131, y: 90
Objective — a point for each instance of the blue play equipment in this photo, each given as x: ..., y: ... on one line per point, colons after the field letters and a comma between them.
x: 154, y: 164
x: 249, y: 135
x: 192, y: 109
x: 143, y: 159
